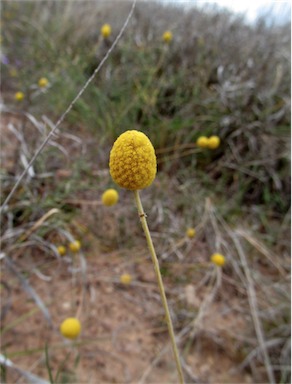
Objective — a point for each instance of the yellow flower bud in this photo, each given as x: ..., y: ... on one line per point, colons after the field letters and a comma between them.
x: 106, y: 30
x: 19, y: 96
x: 213, y: 142
x: 125, y: 279
x: 61, y: 250
x: 167, y: 36
x: 133, y: 161
x: 218, y: 259
x: 70, y: 328
x: 110, y: 197
x: 203, y: 142
x: 75, y: 246
x: 43, y: 82
x: 191, y: 232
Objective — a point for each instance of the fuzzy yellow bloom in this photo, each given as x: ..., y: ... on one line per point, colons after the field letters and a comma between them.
x: 191, y: 232
x: 43, y: 82
x: 19, y: 96
x: 167, y: 36
x: 110, y: 197
x: 13, y: 72
x: 61, y: 250
x: 133, y: 161
x: 218, y: 259
x: 70, y: 328
x: 75, y: 246
x: 203, y: 142
x: 106, y: 30
x: 213, y: 142
x: 125, y: 278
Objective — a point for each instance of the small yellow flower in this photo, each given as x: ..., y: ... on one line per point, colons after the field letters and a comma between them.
x: 106, y: 30
x: 75, y: 246
x: 191, y: 232
x: 61, y: 250
x: 218, y: 259
x: 43, y: 82
x: 167, y: 36
x: 70, y: 328
x: 203, y: 142
x: 133, y: 161
x: 13, y: 72
x: 110, y: 197
x: 125, y: 278
x: 213, y: 142
x: 19, y: 96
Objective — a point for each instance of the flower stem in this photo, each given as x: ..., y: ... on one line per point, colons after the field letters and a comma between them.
x: 160, y: 284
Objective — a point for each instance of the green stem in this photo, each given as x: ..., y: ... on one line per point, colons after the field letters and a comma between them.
x: 160, y: 284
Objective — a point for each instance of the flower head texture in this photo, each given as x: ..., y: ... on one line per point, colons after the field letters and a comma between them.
x: 75, y: 246
x: 106, y: 30
x: 203, y: 142
x: 191, y: 232
x: 70, y: 328
x: 19, y: 96
x: 125, y: 278
x: 218, y: 259
x: 167, y: 36
x: 213, y: 142
x: 110, y: 197
x: 133, y: 161
x: 61, y: 250
x: 43, y: 82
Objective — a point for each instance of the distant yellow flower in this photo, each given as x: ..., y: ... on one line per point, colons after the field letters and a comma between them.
x: 61, y: 250
x: 110, y: 197
x: 106, y: 30
x: 125, y: 278
x: 191, y: 232
x: 167, y: 36
x: 213, y: 142
x: 203, y: 142
x: 218, y: 259
x: 19, y: 96
x: 70, y: 328
x: 75, y: 246
x: 133, y: 161
x: 43, y: 82
x: 13, y: 72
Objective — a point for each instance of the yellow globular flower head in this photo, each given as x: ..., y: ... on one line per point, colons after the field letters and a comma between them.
x: 213, y: 142
x: 70, y: 328
x: 110, y: 197
x: 43, y: 82
x: 133, y: 161
x: 75, y: 246
x: 106, y: 30
x: 191, y: 232
x: 167, y: 36
x: 19, y: 96
x: 13, y: 72
x: 61, y: 250
x: 125, y: 278
x: 203, y: 142
x: 218, y: 259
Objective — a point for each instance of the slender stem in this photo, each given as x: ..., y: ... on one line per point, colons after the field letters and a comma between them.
x: 160, y: 284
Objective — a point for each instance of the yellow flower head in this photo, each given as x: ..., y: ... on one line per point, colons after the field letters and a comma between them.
x: 13, y: 72
x: 106, y: 30
x: 133, y: 161
x: 218, y: 259
x: 70, y: 328
x: 191, y: 232
x: 125, y: 278
x: 75, y: 246
x: 167, y: 36
x: 213, y: 142
x: 61, y: 250
x: 43, y: 82
x: 19, y: 96
x: 203, y: 142
x: 110, y: 197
